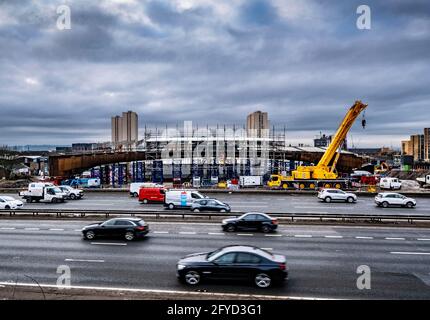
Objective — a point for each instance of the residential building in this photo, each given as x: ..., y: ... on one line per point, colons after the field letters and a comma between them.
x: 257, y: 124
x: 125, y: 129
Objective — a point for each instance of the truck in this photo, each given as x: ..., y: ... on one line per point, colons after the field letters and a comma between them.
x: 324, y: 174
x: 424, y: 181
x: 390, y: 184
x: 83, y: 182
x: 250, y: 181
x: 181, y: 198
x: 43, y: 192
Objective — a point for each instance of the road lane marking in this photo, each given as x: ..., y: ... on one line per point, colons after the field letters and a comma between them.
x: 83, y: 260
x: 267, y: 249
x: 161, y: 232
x: 411, y: 253
x: 108, y: 244
x: 302, y: 236
x: 366, y: 238
x: 173, y: 292
x: 216, y: 233
x: 78, y: 230
x: 334, y: 237
x: 186, y: 232
x: 57, y: 229
x: 31, y: 229
x: 394, y: 238
x: 273, y: 235
x: 423, y: 239
x: 6, y: 228
x: 245, y: 234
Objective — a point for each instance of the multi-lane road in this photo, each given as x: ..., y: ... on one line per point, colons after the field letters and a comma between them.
x: 322, y: 260
x: 245, y: 202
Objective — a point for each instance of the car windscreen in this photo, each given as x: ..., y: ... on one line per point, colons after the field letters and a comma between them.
x: 140, y: 223
x: 8, y: 198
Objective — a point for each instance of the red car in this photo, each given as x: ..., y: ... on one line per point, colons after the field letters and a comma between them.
x: 147, y: 195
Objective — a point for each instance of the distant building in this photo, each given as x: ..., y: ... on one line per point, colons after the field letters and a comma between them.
x: 418, y: 147
x: 407, y: 148
x: 82, y: 147
x: 257, y: 124
x: 324, y: 141
x: 125, y: 129
x: 427, y: 144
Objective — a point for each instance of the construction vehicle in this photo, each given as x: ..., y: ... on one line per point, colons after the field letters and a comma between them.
x: 43, y: 192
x: 324, y: 174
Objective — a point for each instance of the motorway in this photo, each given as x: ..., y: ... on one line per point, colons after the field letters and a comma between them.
x: 243, y: 203
x: 322, y: 259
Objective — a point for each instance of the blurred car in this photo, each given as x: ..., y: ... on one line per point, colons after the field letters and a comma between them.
x: 127, y: 228
x: 72, y: 193
x: 209, y: 205
x: 251, y: 221
x: 7, y: 202
x: 236, y: 262
x: 329, y: 195
x: 388, y: 199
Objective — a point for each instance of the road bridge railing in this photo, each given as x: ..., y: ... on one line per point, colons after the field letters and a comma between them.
x: 185, y: 214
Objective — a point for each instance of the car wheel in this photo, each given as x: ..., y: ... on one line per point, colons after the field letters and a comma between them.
x: 192, y: 278
x: 409, y: 205
x: 196, y: 210
x: 327, y: 199
x: 231, y: 228
x: 129, y: 236
x: 222, y: 211
x: 263, y: 280
x: 135, y: 195
x: 28, y: 200
x: 54, y: 200
x: 350, y: 200
x: 171, y: 206
x: 7, y: 207
x: 73, y: 196
x: 385, y: 204
x: 265, y: 229
x: 145, y: 201
x: 90, y: 235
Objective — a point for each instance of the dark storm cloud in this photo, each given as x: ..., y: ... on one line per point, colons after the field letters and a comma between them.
x: 212, y: 62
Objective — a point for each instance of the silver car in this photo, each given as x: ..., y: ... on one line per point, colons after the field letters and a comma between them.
x: 329, y: 195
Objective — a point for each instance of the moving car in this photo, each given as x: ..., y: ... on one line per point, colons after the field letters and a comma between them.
x: 72, y: 193
x: 234, y: 262
x: 251, y: 221
x: 390, y: 183
x: 209, y: 205
x: 127, y: 228
x: 181, y: 198
x: 147, y: 195
x: 329, y: 195
x: 387, y: 199
x: 7, y: 202
x: 136, y: 186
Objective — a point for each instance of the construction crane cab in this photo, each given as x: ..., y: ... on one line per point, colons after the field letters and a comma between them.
x: 324, y: 174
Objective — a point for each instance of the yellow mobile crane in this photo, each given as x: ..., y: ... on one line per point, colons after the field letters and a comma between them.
x: 324, y: 174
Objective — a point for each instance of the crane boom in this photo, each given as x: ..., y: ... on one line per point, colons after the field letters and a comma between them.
x: 341, y: 133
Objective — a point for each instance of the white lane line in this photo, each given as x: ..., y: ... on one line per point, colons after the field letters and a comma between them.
x: 78, y: 230
x: 367, y: 238
x: 245, y: 234
x: 216, y: 233
x: 108, y: 244
x: 31, y: 229
x: 57, y: 229
x: 186, y: 232
x: 334, y: 237
x: 302, y: 236
x: 161, y: 232
x: 83, y: 260
x: 7, y: 228
x: 394, y: 238
x: 267, y: 249
x: 209, y: 295
x: 273, y: 235
x: 423, y: 239
x: 254, y: 206
x: 411, y: 253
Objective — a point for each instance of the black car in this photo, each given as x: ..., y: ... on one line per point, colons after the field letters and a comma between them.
x: 127, y: 228
x: 209, y: 205
x: 251, y: 221
x: 235, y: 262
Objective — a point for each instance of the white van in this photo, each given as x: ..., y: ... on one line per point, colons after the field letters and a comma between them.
x: 390, y: 183
x: 135, y: 187
x: 181, y: 198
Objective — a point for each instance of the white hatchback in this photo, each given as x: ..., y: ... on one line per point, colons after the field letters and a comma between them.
x: 7, y: 202
x: 394, y: 199
x: 329, y: 195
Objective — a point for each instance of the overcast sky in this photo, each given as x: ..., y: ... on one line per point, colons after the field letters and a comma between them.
x: 304, y: 62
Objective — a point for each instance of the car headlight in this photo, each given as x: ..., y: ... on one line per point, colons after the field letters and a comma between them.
x: 181, y: 266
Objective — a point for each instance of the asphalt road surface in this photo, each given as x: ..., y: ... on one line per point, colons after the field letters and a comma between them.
x: 244, y: 203
x: 322, y: 260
